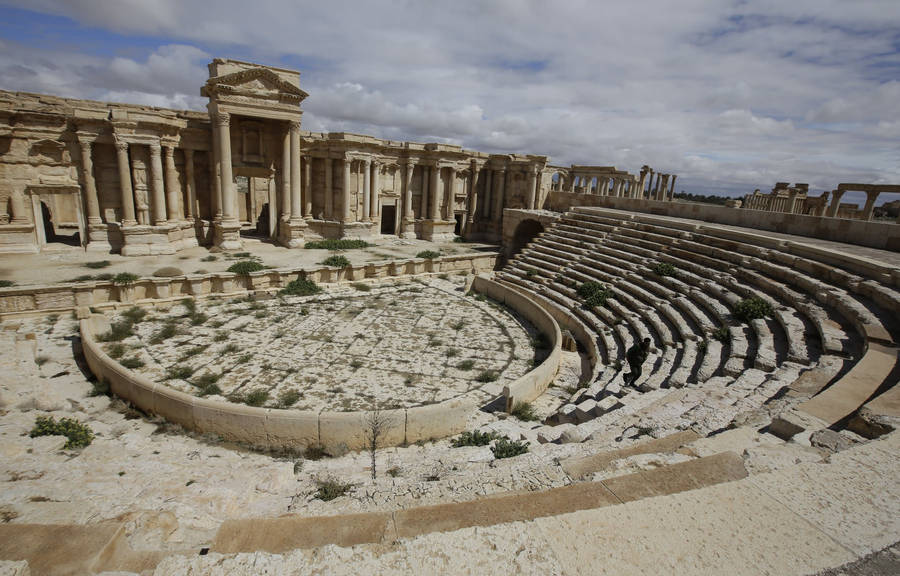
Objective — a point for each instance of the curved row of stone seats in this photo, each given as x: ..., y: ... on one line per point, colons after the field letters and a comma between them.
x: 861, y: 298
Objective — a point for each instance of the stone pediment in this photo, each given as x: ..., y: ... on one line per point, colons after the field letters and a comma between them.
x: 254, y: 82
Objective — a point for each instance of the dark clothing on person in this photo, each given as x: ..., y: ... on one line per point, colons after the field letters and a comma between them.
x: 636, y: 356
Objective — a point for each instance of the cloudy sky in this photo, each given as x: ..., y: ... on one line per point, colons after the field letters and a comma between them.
x: 730, y: 95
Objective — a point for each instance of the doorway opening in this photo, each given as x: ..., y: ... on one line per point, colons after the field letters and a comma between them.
x: 458, y: 228
x: 388, y: 219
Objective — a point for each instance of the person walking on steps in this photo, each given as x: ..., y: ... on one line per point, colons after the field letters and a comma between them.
x: 636, y: 356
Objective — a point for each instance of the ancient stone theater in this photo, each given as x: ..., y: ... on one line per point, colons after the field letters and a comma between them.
x: 230, y: 345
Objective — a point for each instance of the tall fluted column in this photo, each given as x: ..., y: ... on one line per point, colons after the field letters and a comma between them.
x: 17, y: 200
x: 286, y: 174
x: 450, y: 197
x: 488, y: 193
x: 869, y: 208
x: 345, y: 192
x: 125, y: 188
x: 228, y: 192
x: 191, y: 209
x: 672, y: 188
x: 499, y: 187
x: 407, y: 192
x: 473, y: 192
x: 375, y: 193
x: 157, y: 189
x: 423, y: 202
x: 173, y: 188
x: 307, y: 187
x: 531, y: 191
x: 329, y: 188
x: 367, y: 189
x: 90, y: 185
x: 215, y: 181
x: 435, y: 199
x: 296, y: 176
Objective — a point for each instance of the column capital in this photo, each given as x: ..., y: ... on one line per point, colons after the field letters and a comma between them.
x: 120, y: 143
x: 155, y: 148
x: 169, y: 148
x: 294, y: 125
x: 223, y: 118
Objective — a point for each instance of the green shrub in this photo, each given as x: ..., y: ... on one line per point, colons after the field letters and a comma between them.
x: 179, y: 372
x: 132, y: 362
x: 722, y: 334
x: 362, y: 287
x: 524, y: 411
x: 134, y: 314
x: 337, y: 261
x: 245, y: 267
x: 451, y: 353
x: 78, y: 435
x: 191, y: 352
x: 474, y: 438
x: 356, y: 363
x: 752, y: 309
x: 287, y: 398
x: 99, y: 388
x: 589, y: 287
x: 231, y: 348
x: 466, y: 365
x: 330, y: 489
x: 458, y: 325
x: 6, y: 283
x: 210, y: 390
x: 206, y: 380
x: 198, y: 318
x: 506, y: 448
x: 428, y: 254
x: 97, y: 264
x: 167, y: 331
x: 664, y: 269
x: 189, y: 304
x: 256, y: 398
x: 116, y: 351
x: 118, y: 331
x: 314, y: 452
x: 594, y: 294
x: 486, y: 376
x: 125, y: 279
x: 301, y: 287
x: 334, y: 244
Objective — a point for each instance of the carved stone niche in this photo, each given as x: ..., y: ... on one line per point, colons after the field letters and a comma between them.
x: 5, y: 145
x: 252, y: 142
x: 47, y: 151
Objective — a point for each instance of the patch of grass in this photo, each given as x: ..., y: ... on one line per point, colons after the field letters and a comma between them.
x: 524, y: 411
x: 458, y: 325
x: 356, y: 363
x: 451, y: 353
x: 78, y: 435
x: 474, y: 438
x: 428, y: 254
x: 752, y: 308
x: 125, y: 279
x: 220, y: 336
x: 179, y: 372
x: 134, y: 314
x: 506, y: 448
x: 329, y: 489
x: 99, y: 388
x: 301, y: 287
x: 664, y: 269
x: 336, y: 261
x: 244, y: 358
x: 116, y: 351
x: 722, y: 334
x: 245, y: 267
x: 256, y: 398
x: 335, y: 244
x: 132, y: 362
x: 362, y: 287
x: 466, y: 365
x: 118, y: 331
x: 231, y: 348
x: 96, y: 265
x: 167, y: 331
x: 287, y: 398
x: 594, y: 294
x: 41, y: 360
x: 486, y: 376
x: 314, y: 452
x: 6, y: 283
x: 394, y: 471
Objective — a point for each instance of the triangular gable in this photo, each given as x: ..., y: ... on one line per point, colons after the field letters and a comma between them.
x: 243, y: 77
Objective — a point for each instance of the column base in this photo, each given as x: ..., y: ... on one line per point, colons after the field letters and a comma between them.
x: 228, y: 235
x: 98, y: 238
x: 438, y: 230
x: 142, y: 240
x: 18, y: 238
x: 293, y: 232
x: 408, y: 228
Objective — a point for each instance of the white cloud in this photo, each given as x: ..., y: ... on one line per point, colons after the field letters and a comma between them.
x: 731, y: 95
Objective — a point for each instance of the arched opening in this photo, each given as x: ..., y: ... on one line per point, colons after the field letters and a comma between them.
x: 525, y: 232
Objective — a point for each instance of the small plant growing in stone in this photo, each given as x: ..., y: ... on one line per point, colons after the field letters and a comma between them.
x: 256, y: 397
x: 125, y: 279
x: 245, y: 267
x: 722, y: 334
x: 41, y: 360
x: 664, y: 269
x: 99, y: 388
x: 702, y: 345
x: 220, y: 336
x: 77, y: 435
x: 132, y: 362
x: 356, y: 363
x: 7, y: 283
x: 594, y: 294
x: 134, y: 314
x: 116, y: 350
x: 362, y: 286
x: 314, y: 452
x: 329, y: 489
x: 474, y: 438
x: 376, y: 423
x: 179, y: 372
x: 524, y: 411
x: 244, y: 358
x: 118, y: 331
x: 336, y: 261
x: 458, y: 325
x: 301, y: 287
x: 230, y: 348
x: 210, y: 258
x: 752, y: 308
x: 506, y: 448
x: 191, y: 352
x: 486, y: 376
x: 428, y: 254
x: 168, y: 330
x: 466, y: 365
x: 336, y: 244
x: 287, y: 398
x: 530, y: 273
x: 394, y: 471
x: 96, y: 265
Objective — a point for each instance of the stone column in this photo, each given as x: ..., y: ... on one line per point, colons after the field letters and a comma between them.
x: 90, y: 186
x: 835, y: 203
x: 173, y: 188
x: 286, y: 174
x: 17, y: 200
x: 488, y: 193
x: 191, y: 209
x: 375, y: 211
x: 499, y: 187
x: 366, y: 166
x: 473, y: 193
x: 228, y: 191
x: 329, y: 188
x: 307, y: 187
x: 572, y: 182
x: 869, y: 208
x: 672, y: 188
x: 450, y: 196
x: 296, y: 176
x: 407, y: 192
x: 434, y: 199
x: 157, y: 189
x: 792, y: 201
x: 663, y: 186
x: 345, y: 192
x: 128, y: 217
x: 215, y: 194
x: 532, y: 193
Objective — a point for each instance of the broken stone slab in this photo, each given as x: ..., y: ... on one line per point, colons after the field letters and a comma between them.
x: 607, y: 404
x: 549, y: 434
x: 788, y: 424
x: 585, y: 410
